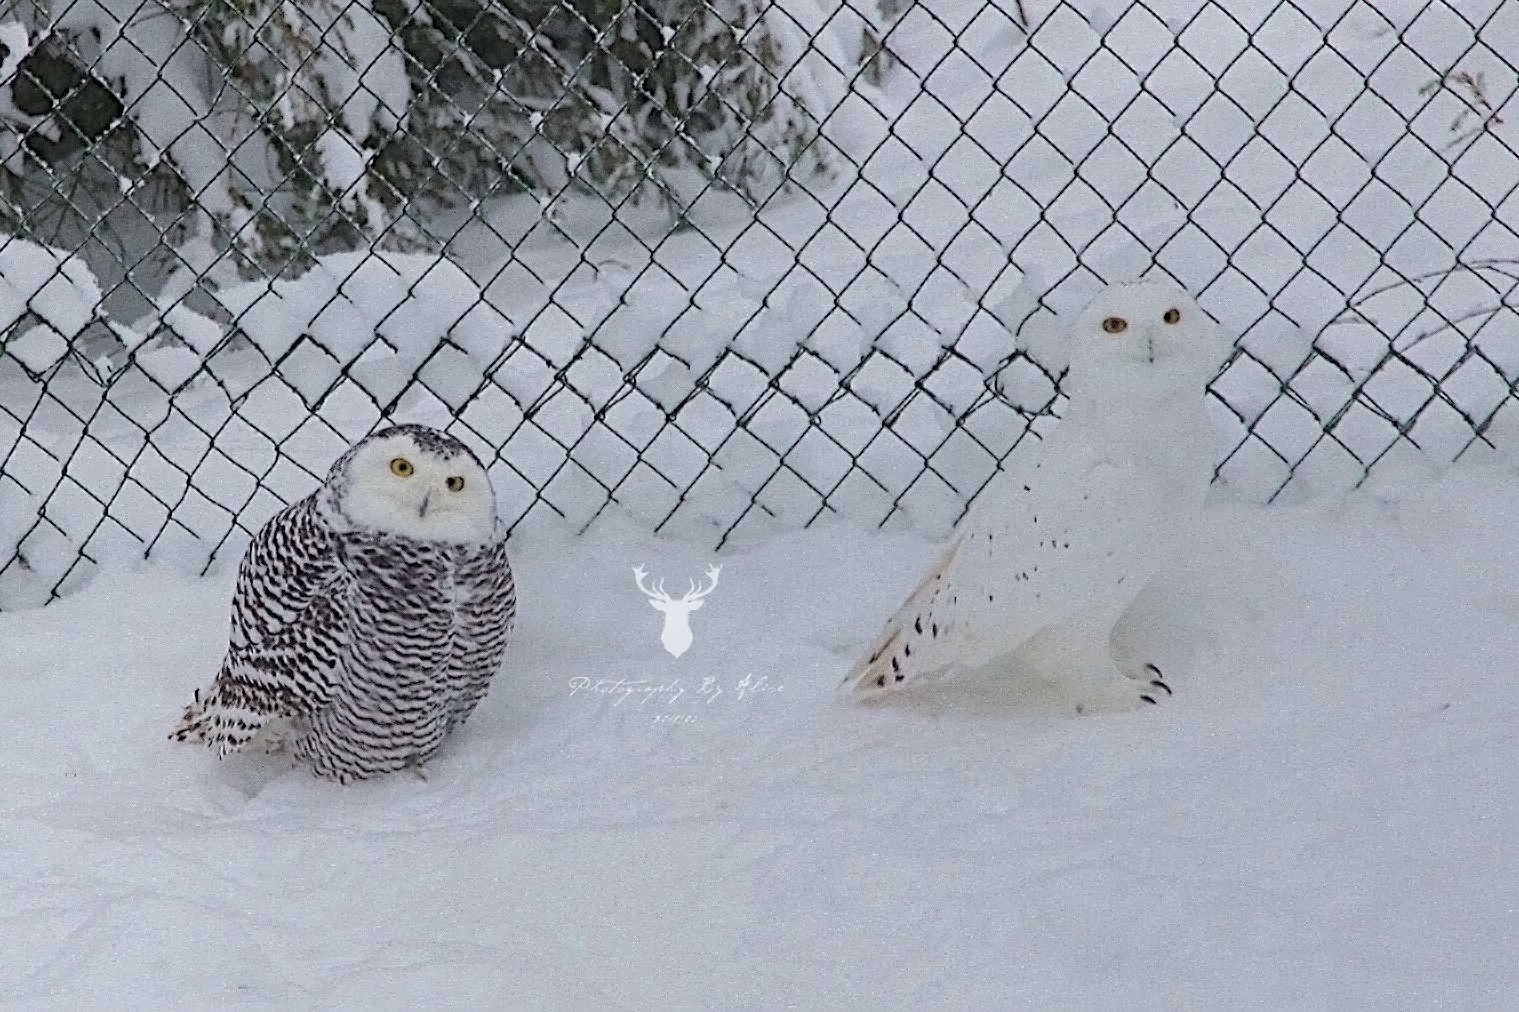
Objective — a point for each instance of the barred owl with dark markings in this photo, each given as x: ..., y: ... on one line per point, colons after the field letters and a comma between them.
x: 370, y: 617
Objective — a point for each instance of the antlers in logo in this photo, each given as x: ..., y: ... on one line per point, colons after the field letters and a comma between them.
x: 657, y: 592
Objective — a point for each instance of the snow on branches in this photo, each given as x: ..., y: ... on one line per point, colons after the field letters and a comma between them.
x: 276, y: 131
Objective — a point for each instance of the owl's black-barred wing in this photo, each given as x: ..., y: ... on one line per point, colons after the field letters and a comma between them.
x: 287, y: 634
x: 487, y: 605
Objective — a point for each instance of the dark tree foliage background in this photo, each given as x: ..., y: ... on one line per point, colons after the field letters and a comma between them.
x: 233, y: 138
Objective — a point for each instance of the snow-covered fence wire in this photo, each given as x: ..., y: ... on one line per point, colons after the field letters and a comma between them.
x: 726, y: 267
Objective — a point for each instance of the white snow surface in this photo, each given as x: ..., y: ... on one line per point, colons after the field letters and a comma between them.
x: 1323, y: 815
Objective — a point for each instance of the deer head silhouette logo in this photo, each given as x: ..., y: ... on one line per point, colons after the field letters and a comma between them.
x: 676, y: 635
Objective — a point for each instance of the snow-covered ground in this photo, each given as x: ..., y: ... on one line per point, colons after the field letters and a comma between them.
x: 1322, y: 816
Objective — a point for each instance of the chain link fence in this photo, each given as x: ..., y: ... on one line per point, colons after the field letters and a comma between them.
x: 726, y: 267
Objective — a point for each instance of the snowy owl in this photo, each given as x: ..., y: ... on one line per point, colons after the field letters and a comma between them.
x: 1057, y: 546
x: 369, y: 617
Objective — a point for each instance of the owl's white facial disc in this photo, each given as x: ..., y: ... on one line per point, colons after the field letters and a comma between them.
x: 1149, y: 331
x: 397, y: 485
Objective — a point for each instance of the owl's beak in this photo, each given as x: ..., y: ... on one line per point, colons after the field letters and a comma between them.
x: 422, y: 509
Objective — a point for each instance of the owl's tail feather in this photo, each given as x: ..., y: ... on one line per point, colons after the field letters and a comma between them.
x: 192, y: 723
x: 909, y: 648
x: 227, y: 726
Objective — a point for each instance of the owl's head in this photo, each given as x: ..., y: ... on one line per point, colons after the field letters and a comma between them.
x: 414, y: 481
x: 1148, y: 333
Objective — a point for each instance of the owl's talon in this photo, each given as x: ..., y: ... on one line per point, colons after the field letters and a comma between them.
x: 1147, y: 699
x: 1159, y: 680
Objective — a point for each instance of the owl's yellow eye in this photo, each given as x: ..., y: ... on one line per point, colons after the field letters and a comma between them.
x: 1173, y: 315
x: 402, y: 467
x: 1115, y: 325
x: 455, y: 484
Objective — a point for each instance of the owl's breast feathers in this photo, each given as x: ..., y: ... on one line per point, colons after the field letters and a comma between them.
x: 428, y: 623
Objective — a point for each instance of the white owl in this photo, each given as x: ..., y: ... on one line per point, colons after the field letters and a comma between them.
x: 369, y: 617
x: 1057, y: 546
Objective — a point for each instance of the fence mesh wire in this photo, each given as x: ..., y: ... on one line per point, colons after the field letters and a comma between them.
x: 727, y: 267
